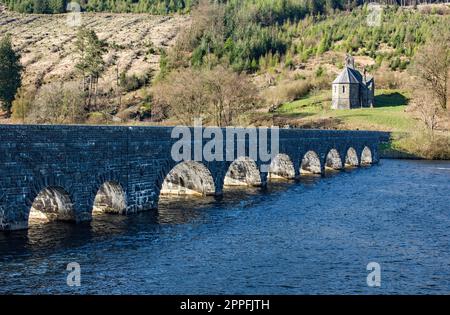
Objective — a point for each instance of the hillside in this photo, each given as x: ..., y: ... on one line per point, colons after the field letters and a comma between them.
x: 292, y: 57
x: 46, y: 45
x: 116, y: 6
x: 270, y: 62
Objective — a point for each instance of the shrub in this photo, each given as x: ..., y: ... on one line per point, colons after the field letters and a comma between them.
x: 424, y: 145
x: 218, y: 94
x: 320, y: 71
x: 296, y: 90
x: 58, y: 103
x: 97, y: 118
x: 133, y: 82
x: 386, y: 80
x: 21, y: 106
x: 287, y: 92
x: 322, y: 82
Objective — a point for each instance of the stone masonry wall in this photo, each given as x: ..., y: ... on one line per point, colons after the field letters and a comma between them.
x: 79, y: 159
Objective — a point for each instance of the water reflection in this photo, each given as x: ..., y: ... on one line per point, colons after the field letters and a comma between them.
x: 172, y: 210
x: 282, y: 239
x: 182, y: 209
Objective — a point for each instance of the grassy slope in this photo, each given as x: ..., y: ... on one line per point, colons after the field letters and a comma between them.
x: 388, y: 114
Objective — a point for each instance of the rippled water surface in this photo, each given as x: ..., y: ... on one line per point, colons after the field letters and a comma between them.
x: 315, y: 236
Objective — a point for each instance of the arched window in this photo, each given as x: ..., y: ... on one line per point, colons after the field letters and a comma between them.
x: 343, y: 89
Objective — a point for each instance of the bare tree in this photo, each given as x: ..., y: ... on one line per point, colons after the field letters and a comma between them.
x: 426, y: 105
x: 58, y: 103
x: 432, y: 67
x: 181, y: 95
x: 229, y: 94
x: 218, y: 94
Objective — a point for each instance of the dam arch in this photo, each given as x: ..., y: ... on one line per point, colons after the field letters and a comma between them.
x: 351, y: 158
x: 74, y: 161
x: 243, y: 171
x: 52, y: 203
x: 333, y: 160
x: 310, y: 164
x: 366, y: 156
x: 281, y: 167
x: 188, y: 178
x: 110, y: 198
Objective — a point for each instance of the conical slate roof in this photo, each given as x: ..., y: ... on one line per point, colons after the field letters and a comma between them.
x: 348, y: 75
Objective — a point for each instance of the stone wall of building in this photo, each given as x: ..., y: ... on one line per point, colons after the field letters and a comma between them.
x: 345, y: 96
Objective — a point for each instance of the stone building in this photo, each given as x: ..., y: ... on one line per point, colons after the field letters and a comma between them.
x: 351, y: 89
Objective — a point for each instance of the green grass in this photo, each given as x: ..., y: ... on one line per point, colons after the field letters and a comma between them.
x: 409, y: 140
x: 388, y: 114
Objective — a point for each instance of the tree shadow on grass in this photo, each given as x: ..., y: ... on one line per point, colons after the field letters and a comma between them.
x: 332, y: 123
x: 292, y: 115
x: 390, y: 100
x: 319, y: 123
x: 277, y: 119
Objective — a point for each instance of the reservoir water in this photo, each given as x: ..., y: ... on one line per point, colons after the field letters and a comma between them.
x: 314, y: 236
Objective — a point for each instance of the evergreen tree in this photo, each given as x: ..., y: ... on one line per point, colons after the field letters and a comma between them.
x: 10, y: 73
x: 57, y: 6
x: 40, y: 6
x: 90, y: 64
